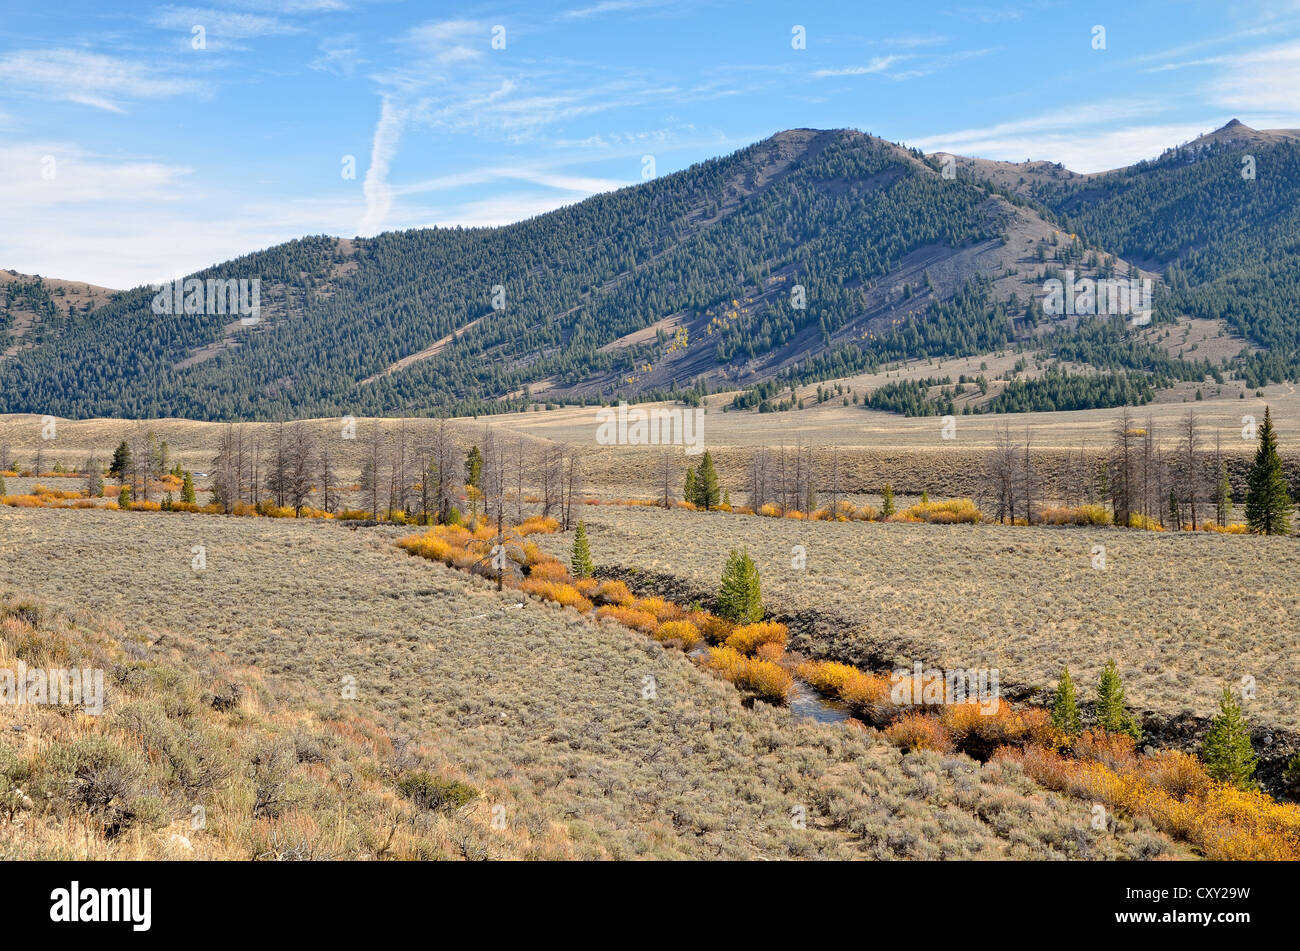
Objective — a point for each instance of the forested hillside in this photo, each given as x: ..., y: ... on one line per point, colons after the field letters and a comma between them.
x: 832, y: 249
x: 808, y: 256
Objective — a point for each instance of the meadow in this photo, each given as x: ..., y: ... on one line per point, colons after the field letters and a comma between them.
x: 546, y: 717
x: 1184, y: 614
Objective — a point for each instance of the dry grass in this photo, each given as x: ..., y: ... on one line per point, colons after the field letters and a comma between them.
x: 594, y: 741
x: 1184, y: 613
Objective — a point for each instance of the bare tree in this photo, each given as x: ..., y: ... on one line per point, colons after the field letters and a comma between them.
x: 552, y: 478
x: 667, y: 475
x: 300, y: 455
x: 1123, y: 468
x: 372, y: 468
x: 1002, y: 474
x: 326, y: 478
x: 573, y: 490
x: 94, y: 477
x: 1191, y: 473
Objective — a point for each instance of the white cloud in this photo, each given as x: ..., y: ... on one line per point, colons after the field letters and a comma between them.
x: 1262, y: 80
x: 220, y: 24
x: 91, y: 79
x: 378, y: 193
x: 878, y: 64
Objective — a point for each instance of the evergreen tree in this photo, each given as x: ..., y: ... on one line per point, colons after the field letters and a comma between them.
x: 1268, y: 505
x: 1112, y: 711
x: 740, y: 599
x: 580, y: 565
x: 187, y: 490
x: 1223, y: 500
x: 124, y: 498
x: 707, y: 494
x: 888, y: 496
x: 1227, y: 751
x: 121, y: 460
x: 473, y: 466
x: 3, y: 491
x: 688, y: 487
x: 726, y: 498
x: 1065, y: 708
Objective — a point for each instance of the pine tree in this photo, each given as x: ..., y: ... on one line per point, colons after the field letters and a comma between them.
x: 1065, y: 708
x: 121, y: 460
x: 1112, y: 711
x: 1268, y: 505
x: 688, y: 487
x: 888, y: 496
x: 707, y: 494
x: 740, y: 599
x: 925, y: 497
x: 473, y: 466
x: 124, y: 498
x: 3, y: 491
x: 187, y: 490
x: 1227, y: 751
x: 726, y: 499
x: 580, y: 565
x: 1223, y: 503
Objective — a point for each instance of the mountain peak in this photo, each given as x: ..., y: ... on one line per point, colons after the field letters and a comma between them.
x: 1235, y: 125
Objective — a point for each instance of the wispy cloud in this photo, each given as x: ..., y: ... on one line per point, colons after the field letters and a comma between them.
x: 91, y: 79
x: 878, y: 64
x: 610, y: 6
x: 1263, y: 80
x: 383, y: 148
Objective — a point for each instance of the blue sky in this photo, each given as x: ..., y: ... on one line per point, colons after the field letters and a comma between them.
x: 129, y: 156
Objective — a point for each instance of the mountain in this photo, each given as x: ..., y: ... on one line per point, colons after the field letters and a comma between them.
x: 694, y: 282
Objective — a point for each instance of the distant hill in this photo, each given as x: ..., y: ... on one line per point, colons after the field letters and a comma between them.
x: 812, y: 254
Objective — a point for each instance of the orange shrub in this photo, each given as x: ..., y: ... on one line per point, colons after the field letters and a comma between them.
x: 773, y: 652
x: 684, y: 631
x: 630, y: 617
x: 537, y: 525
x: 146, y: 506
x: 565, y: 594
x: 749, y: 637
x: 614, y: 592
x: 715, y: 629
x: 587, y: 586
x: 916, y: 731
x: 868, y: 695
x: 549, y: 571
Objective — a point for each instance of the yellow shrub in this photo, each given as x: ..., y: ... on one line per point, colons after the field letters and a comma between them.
x: 770, y: 681
x: 715, y: 629
x: 1078, y: 515
x: 749, y: 637
x: 826, y: 676
x: 614, y: 592
x: 661, y: 609
x: 684, y: 631
x: 948, y: 512
x: 565, y: 594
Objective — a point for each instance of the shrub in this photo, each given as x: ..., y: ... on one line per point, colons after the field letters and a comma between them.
x: 951, y: 512
x: 749, y: 637
x: 630, y: 617
x: 740, y: 599
x: 537, y: 525
x: 826, y: 676
x: 715, y: 629
x: 613, y: 592
x: 916, y: 731
x: 764, y: 678
x: 435, y: 793
x: 683, y: 631
x: 1078, y: 515
x: 565, y: 594
x: 549, y: 571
